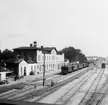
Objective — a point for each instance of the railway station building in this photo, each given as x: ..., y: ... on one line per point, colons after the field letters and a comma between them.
x: 32, y: 58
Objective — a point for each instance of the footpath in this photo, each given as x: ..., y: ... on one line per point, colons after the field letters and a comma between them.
x: 30, y: 78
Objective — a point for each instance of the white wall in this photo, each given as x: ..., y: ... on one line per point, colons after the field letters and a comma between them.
x: 23, y: 65
x: 2, y: 76
x: 53, y: 61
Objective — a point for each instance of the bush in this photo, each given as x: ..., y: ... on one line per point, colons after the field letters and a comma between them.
x: 31, y: 73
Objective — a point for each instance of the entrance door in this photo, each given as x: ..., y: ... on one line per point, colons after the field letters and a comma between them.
x: 24, y: 71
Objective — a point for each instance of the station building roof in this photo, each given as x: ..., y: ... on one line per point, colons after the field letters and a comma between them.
x: 47, y: 50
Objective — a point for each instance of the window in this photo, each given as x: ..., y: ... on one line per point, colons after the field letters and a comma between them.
x: 31, y: 68
x: 21, y: 70
x: 40, y: 68
x: 34, y: 67
x: 39, y: 57
x: 43, y: 58
x: 53, y: 57
x: 47, y: 66
x: 47, y: 58
x: 37, y: 66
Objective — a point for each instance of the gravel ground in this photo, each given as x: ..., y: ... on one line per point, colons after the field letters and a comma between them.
x: 93, y: 84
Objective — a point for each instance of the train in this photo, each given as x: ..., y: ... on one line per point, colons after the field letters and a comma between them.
x: 71, y: 67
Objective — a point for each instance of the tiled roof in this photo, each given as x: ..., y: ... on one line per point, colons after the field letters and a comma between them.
x: 24, y: 48
x: 59, y: 53
x: 47, y: 49
x: 14, y: 61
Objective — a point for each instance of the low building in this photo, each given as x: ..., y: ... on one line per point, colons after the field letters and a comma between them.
x: 2, y: 76
x: 33, y: 59
x: 3, y: 72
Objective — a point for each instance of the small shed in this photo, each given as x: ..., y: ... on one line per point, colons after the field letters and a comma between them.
x: 3, y: 72
x: 2, y: 76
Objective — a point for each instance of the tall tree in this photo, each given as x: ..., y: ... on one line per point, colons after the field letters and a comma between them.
x: 6, y: 55
x: 73, y: 54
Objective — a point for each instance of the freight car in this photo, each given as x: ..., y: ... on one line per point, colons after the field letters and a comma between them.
x: 72, y: 67
x: 80, y: 66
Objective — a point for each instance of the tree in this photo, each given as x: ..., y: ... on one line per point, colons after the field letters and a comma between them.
x: 69, y: 53
x: 73, y: 54
x: 0, y: 57
x: 6, y: 55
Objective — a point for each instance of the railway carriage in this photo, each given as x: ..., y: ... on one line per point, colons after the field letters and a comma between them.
x: 85, y: 64
x: 80, y: 66
x: 70, y: 67
x: 75, y: 67
x: 103, y: 65
x: 64, y: 69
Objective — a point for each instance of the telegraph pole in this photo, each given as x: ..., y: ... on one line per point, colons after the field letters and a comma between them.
x: 44, y: 70
x: 43, y: 66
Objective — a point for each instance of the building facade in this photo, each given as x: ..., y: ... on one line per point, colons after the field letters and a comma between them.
x: 92, y: 58
x: 34, y: 59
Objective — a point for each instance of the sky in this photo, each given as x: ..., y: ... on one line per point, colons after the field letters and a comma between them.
x: 82, y: 24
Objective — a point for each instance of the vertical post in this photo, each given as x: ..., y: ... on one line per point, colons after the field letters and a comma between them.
x: 44, y: 70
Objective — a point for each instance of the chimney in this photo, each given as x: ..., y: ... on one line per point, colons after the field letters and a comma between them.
x: 31, y: 45
x: 35, y: 44
x: 41, y: 47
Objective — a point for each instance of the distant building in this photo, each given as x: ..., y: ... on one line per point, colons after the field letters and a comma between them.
x: 32, y: 59
x: 92, y: 58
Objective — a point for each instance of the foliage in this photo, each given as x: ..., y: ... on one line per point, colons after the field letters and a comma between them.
x: 6, y: 55
x: 73, y: 54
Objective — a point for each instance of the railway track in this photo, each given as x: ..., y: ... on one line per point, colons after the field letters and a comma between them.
x: 65, y: 98
x: 49, y: 90
x: 94, y: 86
x: 48, y: 93
x: 29, y: 88
x: 70, y: 93
x: 99, y: 95
x: 39, y: 92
